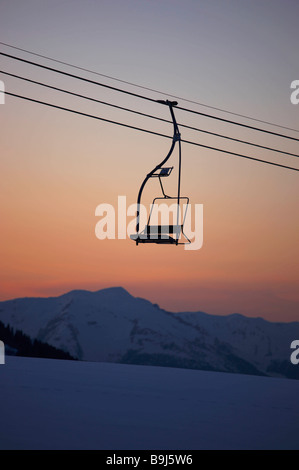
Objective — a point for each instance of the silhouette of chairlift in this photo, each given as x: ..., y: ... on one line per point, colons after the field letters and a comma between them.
x: 164, y: 234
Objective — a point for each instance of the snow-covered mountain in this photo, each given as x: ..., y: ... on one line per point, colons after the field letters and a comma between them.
x: 111, y: 325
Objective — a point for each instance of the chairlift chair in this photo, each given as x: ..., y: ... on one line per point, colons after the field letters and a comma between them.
x: 164, y: 234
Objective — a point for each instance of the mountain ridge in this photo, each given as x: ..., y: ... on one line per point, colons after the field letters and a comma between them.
x: 111, y: 325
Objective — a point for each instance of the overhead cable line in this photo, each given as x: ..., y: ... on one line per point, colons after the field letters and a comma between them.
x: 77, y: 77
x: 147, y: 98
x: 147, y: 88
x: 146, y: 115
x: 148, y: 131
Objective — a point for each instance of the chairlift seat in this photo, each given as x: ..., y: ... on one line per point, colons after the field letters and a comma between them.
x: 158, y: 234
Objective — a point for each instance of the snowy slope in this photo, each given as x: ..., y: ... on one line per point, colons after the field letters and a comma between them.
x: 52, y: 404
x: 110, y: 325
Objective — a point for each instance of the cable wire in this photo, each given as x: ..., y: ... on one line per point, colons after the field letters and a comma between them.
x: 146, y: 115
x: 148, y: 131
x: 147, y: 88
x: 147, y: 98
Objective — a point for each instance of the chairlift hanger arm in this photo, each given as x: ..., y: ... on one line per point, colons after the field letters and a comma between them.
x: 171, y: 104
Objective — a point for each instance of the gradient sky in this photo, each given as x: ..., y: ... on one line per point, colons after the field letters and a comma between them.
x: 57, y: 167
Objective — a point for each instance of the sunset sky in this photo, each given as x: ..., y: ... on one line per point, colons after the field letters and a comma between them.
x: 56, y: 167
